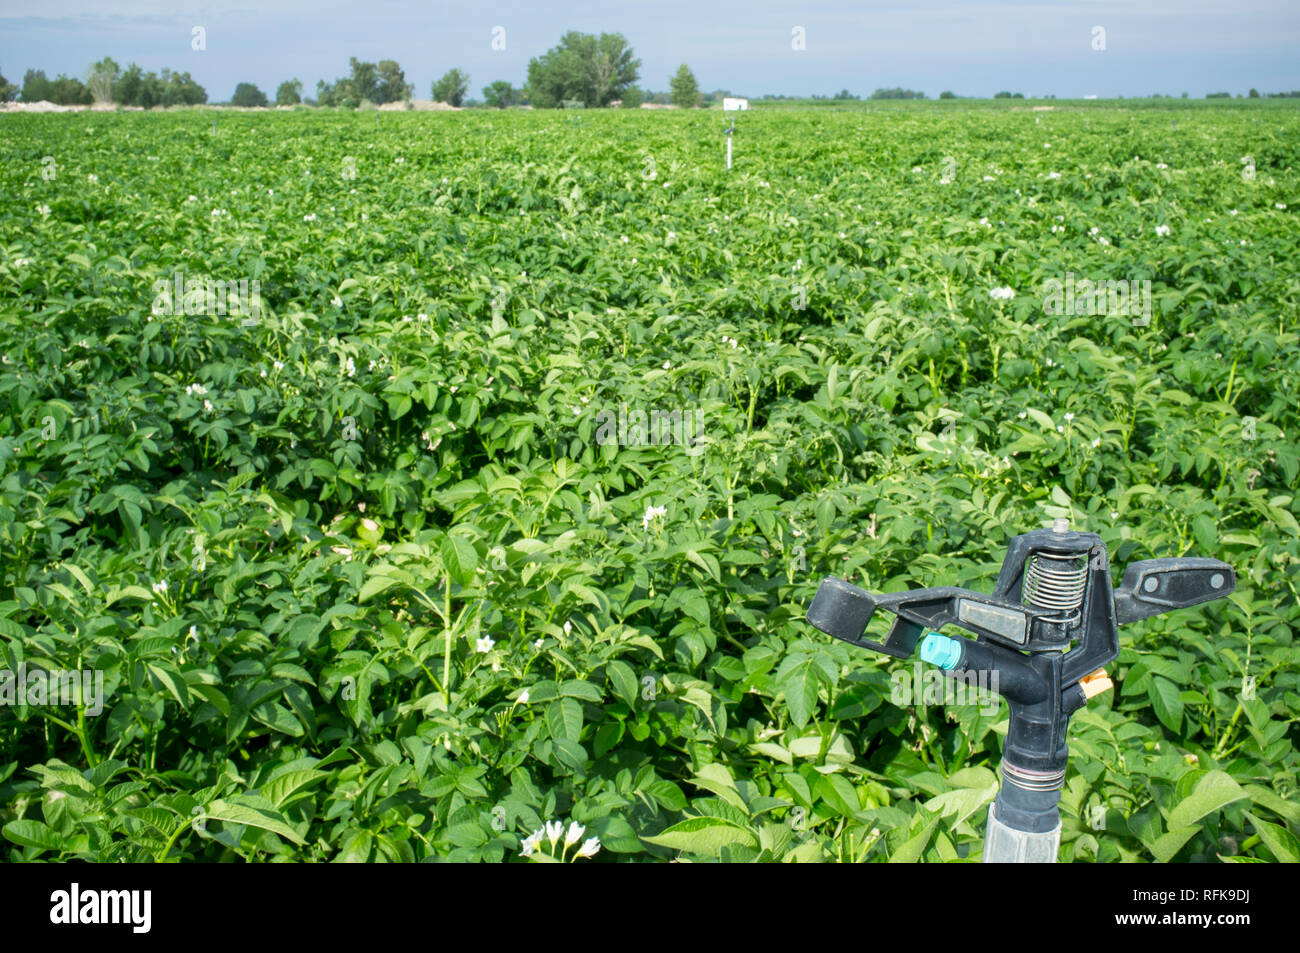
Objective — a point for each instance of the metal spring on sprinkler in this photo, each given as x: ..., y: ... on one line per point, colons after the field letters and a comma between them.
x: 1056, y: 583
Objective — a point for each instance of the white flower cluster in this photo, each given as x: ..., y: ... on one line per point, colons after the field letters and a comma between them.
x: 651, y: 512
x: 552, y: 832
x: 1004, y: 294
x: 1162, y: 230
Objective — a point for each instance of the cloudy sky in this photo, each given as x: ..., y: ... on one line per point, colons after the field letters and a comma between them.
x: 972, y: 47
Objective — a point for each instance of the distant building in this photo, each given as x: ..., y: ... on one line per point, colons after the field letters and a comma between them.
x: 734, y: 102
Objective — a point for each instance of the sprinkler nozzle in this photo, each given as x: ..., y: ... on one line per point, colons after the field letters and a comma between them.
x: 941, y: 651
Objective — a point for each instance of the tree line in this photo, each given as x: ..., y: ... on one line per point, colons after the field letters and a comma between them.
x: 106, y: 82
x: 583, y: 70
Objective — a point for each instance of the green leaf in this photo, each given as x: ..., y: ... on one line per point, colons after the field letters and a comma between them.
x: 33, y: 834
x: 1167, y: 845
x: 171, y: 680
x: 460, y: 559
x: 266, y: 819
x: 623, y: 682
x: 667, y: 794
x: 716, y: 778
x: 912, y: 849
x: 375, y: 585
x: 703, y: 835
x: 564, y: 719
x: 1212, y: 792
x: 800, y: 685
x: 1166, y: 702
x: 291, y: 786
x: 1277, y: 839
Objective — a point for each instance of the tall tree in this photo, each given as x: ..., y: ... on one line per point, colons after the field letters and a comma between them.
x: 451, y: 88
x: 365, y: 80
x: 7, y: 90
x: 499, y: 94
x: 36, y: 87
x: 100, y: 78
x: 246, y: 94
x: 585, y: 67
x: 289, y: 93
x: 392, y: 85
x: 686, y: 92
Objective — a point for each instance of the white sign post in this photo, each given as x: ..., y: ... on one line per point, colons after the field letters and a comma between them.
x: 732, y: 104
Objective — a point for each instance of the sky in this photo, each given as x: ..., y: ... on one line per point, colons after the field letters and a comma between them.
x: 751, y: 47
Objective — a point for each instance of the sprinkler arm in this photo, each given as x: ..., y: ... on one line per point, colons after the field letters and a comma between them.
x: 1149, y: 587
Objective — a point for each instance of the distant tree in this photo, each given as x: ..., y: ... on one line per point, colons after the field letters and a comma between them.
x: 845, y: 94
x: 100, y: 77
x: 594, y: 69
x: 1184, y: 95
x: 69, y: 91
x: 686, y: 92
x: 130, y: 86
x: 183, y: 90
x: 289, y: 93
x: 631, y: 98
x: 392, y: 86
x: 1218, y: 95
x: 1254, y: 93
x: 451, y: 88
x: 499, y: 94
x: 246, y: 94
x: 364, y: 80
x: 947, y: 94
x: 36, y: 88
x: 135, y: 87
x: 1018, y: 96
x: 897, y: 93
x: 1002, y: 95
x: 7, y: 90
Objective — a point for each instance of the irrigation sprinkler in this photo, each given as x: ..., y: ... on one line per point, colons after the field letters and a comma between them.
x: 728, y: 131
x: 1042, y: 638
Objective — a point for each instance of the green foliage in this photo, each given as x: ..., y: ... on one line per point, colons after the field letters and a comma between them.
x: 593, y: 69
x: 897, y: 93
x: 414, y: 607
x: 686, y: 92
x: 246, y: 94
x: 500, y: 94
x: 64, y: 90
x: 135, y: 87
x: 451, y: 87
x: 631, y: 98
x: 101, y: 77
x: 379, y: 83
x: 289, y: 93
x: 392, y: 86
